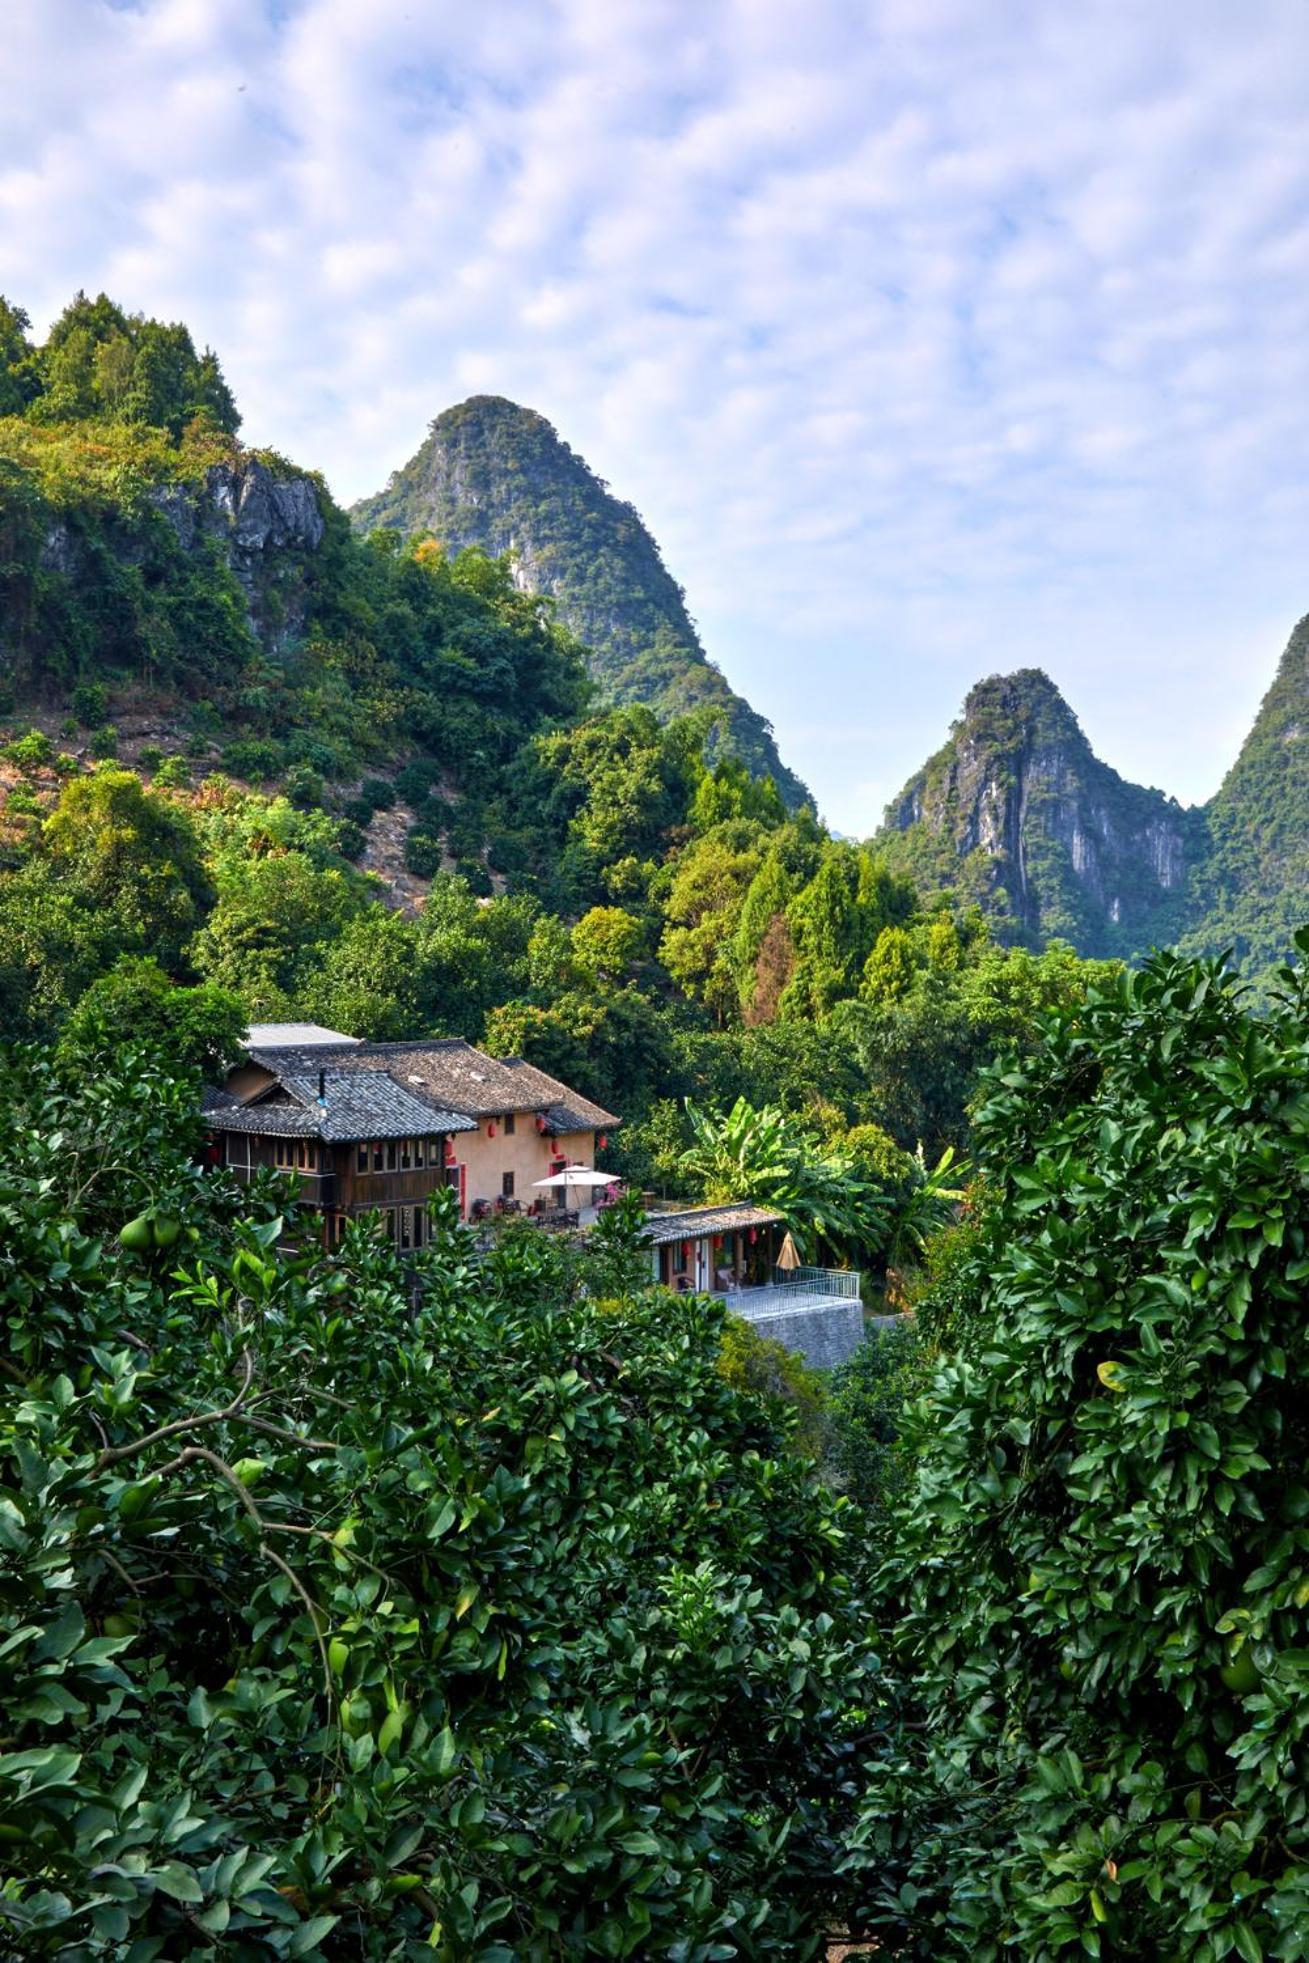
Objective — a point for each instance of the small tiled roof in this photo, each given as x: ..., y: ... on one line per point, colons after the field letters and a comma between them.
x: 451, y: 1073
x: 693, y: 1222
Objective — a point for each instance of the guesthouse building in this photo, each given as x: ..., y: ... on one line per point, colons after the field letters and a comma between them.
x: 380, y: 1126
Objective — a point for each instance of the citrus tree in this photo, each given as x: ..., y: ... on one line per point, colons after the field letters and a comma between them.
x: 1103, y: 1566
x: 497, y: 1628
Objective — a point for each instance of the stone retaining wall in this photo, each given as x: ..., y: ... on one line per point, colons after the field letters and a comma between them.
x: 824, y: 1334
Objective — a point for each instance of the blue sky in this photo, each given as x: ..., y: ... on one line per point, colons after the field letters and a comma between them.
x: 932, y: 338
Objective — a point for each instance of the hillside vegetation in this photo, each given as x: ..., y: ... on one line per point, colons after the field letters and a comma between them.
x: 497, y: 476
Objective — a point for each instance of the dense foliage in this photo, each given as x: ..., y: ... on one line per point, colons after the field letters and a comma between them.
x: 1250, y: 890
x: 493, y: 475
x: 1100, y: 1575
x: 497, y: 1627
x: 100, y: 364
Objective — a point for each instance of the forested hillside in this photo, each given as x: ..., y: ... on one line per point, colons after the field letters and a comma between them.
x: 1252, y: 891
x: 496, y: 476
x: 1016, y: 814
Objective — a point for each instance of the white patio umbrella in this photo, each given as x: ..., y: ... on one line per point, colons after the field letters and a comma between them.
x: 788, y: 1255
x: 577, y: 1176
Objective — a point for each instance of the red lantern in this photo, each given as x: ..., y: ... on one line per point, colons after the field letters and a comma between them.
x: 490, y: 1129
x: 603, y: 1140
x: 540, y: 1123
x: 450, y: 1151
x: 718, y: 1240
x: 686, y: 1252
x: 754, y: 1235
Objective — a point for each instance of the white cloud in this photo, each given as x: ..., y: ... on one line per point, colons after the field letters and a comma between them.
x: 931, y: 339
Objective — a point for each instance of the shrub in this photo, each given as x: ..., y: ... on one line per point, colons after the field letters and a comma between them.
x: 867, y: 1400
x: 31, y: 752
x: 89, y: 702
x: 104, y: 742
x: 198, y: 745
x: 173, y: 774
x: 423, y: 854
x: 350, y: 839
x: 304, y: 787
x: 150, y: 758
x: 256, y: 758
x: 415, y: 781
x: 66, y: 765
x: 751, y: 1362
x: 22, y: 803
x: 477, y: 877
x: 377, y: 794
x: 328, y: 759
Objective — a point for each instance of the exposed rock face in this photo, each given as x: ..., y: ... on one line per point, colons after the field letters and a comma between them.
x: 497, y: 476
x: 264, y: 525
x: 1018, y: 812
x: 260, y: 521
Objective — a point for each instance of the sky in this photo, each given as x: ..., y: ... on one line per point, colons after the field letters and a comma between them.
x: 932, y: 338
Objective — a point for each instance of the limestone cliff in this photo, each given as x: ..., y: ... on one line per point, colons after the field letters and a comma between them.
x: 1018, y: 813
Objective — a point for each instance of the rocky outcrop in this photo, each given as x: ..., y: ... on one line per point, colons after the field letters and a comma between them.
x: 1057, y: 844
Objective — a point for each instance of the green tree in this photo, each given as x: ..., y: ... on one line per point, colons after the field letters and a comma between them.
x: 704, y: 901
x: 194, y: 1029
x: 132, y: 854
x: 19, y: 381
x: 267, y: 934
x: 1098, y: 1575
x: 606, y: 942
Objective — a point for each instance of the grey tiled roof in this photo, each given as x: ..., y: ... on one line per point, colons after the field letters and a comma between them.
x: 695, y: 1221
x: 354, y: 1106
x: 451, y: 1074
x: 578, y: 1114
x: 362, y: 1104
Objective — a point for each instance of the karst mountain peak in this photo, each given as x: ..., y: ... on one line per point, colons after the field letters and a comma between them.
x: 496, y: 474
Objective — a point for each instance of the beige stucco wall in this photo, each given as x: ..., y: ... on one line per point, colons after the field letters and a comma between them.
x: 527, y: 1155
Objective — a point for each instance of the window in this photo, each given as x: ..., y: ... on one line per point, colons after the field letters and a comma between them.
x: 507, y: 1185
x: 406, y: 1154
x: 405, y: 1222
x: 509, y: 1124
x: 377, y: 1156
x: 361, y: 1158
x: 392, y: 1155
x: 420, y: 1153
